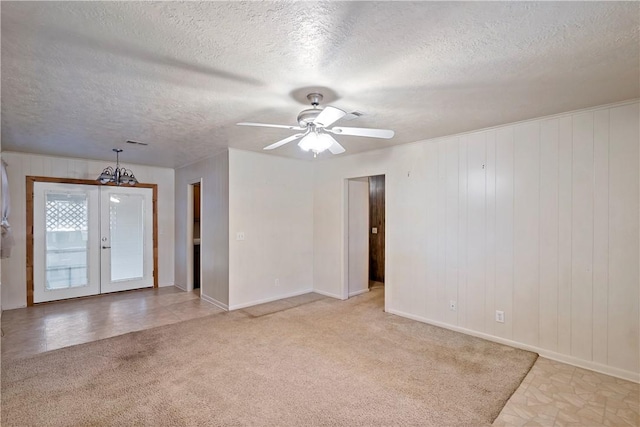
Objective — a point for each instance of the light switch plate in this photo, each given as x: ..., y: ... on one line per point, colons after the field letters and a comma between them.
x: 374, y: 230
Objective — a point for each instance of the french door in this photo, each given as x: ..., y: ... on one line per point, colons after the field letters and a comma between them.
x: 90, y: 239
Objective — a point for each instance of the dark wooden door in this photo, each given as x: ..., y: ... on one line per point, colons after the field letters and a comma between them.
x: 196, y: 266
x: 376, y: 228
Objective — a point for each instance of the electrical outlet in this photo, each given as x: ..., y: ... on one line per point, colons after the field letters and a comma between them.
x: 277, y: 282
x: 240, y: 235
x: 453, y: 305
x: 499, y: 316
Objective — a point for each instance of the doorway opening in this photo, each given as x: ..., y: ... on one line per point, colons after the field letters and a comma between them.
x: 377, y: 231
x: 196, y: 218
x: 86, y: 239
x: 365, y: 234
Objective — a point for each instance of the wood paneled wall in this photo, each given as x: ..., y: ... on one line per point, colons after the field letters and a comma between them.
x: 376, y: 220
x: 538, y: 219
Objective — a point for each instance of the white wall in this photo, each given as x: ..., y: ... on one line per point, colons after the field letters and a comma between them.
x: 20, y: 165
x: 358, y: 236
x: 214, y: 226
x: 271, y: 202
x: 539, y: 219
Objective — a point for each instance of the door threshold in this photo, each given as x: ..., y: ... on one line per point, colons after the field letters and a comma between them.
x: 92, y: 296
x: 374, y: 284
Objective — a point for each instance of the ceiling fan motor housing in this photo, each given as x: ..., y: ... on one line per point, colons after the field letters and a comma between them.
x: 307, y: 117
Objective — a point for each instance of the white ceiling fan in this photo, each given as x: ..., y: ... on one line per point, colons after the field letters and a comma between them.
x: 314, y: 124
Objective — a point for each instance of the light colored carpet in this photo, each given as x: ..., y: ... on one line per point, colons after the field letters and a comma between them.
x: 309, y: 362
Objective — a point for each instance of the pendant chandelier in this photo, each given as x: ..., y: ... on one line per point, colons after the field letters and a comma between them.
x: 117, y: 175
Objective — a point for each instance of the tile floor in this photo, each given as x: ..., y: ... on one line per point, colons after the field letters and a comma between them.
x: 55, y: 325
x: 557, y: 394
x: 552, y: 394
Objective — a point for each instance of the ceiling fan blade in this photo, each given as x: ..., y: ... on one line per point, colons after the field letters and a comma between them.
x: 328, y: 116
x: 283, y: 141
x: 371, y: 133
x: 266, y: 125
x: 335, y: 147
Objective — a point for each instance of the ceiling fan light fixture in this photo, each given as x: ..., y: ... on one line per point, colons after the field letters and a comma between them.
x: 316, y: 142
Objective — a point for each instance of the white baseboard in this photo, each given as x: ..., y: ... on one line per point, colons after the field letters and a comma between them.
x: 327, y: 294
x: 165, y: 285
x: 570, y: 360
x: 180, y: 287
x: 214, y: 301
x: 361, y: 291
x: 270, y: 299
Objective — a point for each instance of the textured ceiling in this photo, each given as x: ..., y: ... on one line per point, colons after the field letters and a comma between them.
x: 80, y: 78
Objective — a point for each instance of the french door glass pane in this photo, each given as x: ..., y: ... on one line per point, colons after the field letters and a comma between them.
x: 66, y: 240
x: 126, y: 221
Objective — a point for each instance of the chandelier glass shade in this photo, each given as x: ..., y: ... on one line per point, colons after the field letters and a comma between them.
x: 117, y: 175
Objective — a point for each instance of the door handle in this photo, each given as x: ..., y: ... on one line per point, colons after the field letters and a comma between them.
x: 106, y: 247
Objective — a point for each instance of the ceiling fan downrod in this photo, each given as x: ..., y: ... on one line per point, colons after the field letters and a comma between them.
x: 315, y: 99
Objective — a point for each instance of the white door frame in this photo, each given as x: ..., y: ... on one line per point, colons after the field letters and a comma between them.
x: 93, y: 232
x: 358, y: 237
x: 189, y: 242
x: 107, y: 284
x: 30, y: 182
x: 388, y: 288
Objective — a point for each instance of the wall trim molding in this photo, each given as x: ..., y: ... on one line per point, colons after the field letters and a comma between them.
x: 213, y: 301
x: 361, y: 291
x: 270, y: 299
x: 180, y: 287
x: 328, y: 294
x: 570, y: 360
